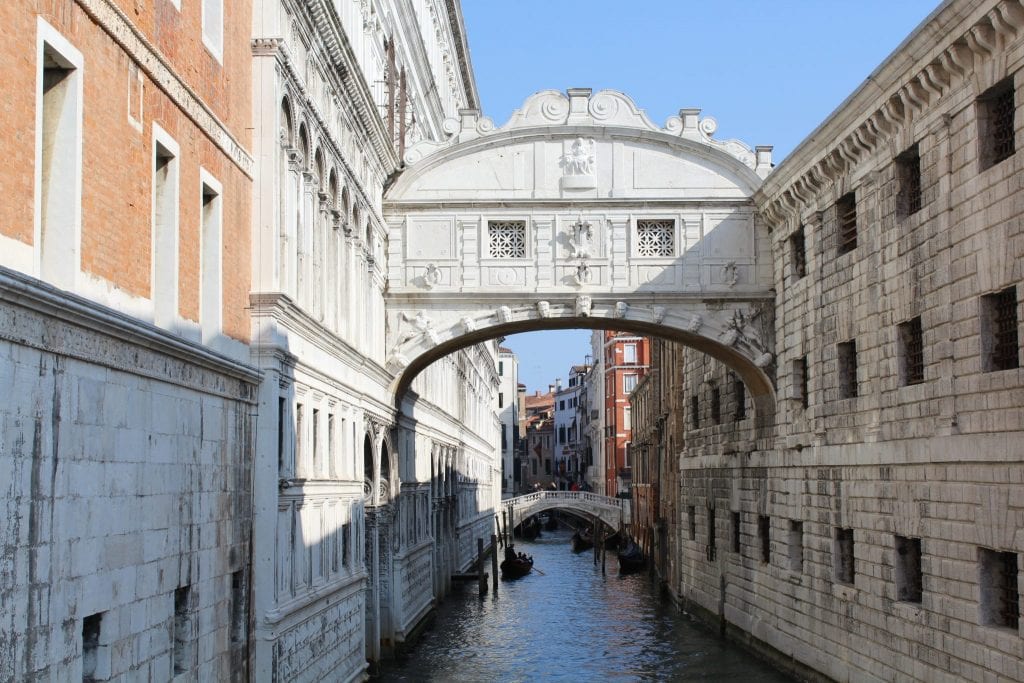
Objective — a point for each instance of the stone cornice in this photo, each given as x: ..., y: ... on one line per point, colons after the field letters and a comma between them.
x: 329, y: 29
x: 112, y: 20
x: 938, y: 56
x: 37, y: 315
x: 458, y: 29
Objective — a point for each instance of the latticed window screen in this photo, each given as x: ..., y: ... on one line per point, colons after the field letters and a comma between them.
x: 655, y: 238
x: 1000, y: 323
x: 506, y: 239
x: 908, y: 173
x: 997, y: 109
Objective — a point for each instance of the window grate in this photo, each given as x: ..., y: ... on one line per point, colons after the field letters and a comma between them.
x: 694, y: 412
x: 1004, y: 329
x: 844, y: 567
x: 716, y: 404
x: 846, y: 217
x: 912, y: 340
x: 908, y: 167
x: 1000, y: 111
x: 507, y: 239
x: 736, y: 531
x: 1009, y: 596
x: 847, y: 353
x: 655, y: 238
x: 740, y: 396
x: 798, y: 253
x: 764, y: 534
x: 800, y: 372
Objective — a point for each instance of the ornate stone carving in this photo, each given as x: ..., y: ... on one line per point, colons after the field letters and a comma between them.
x: 544, y: 309
x: 730, y: 274
x: 696, y: 322
x: 583, y: 303
x: 432, y: 276
x: 621, y: 308
x: 468, y: 324
x: 504, y: 314
x: 583, y: 274
x: 578, y: 165
x: 582, y: 238
x: 658, y: 313
x: 413, y: 326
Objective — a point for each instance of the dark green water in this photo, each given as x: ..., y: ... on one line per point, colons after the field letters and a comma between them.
x: 571, y: 624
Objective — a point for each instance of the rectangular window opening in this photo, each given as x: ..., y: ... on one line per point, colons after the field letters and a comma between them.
x: 798, y: 254
x: 694, y: 412
x: 629, y: 353
x: 164, y: 291
x: 91, y: 630
x: 300, y: 441
x: 239, y: 609
x: 655, y: 238
x: 996, y: 131
x: 506, y: 239
x: 213, y: 27
x: 796, y: 546
x: 691, y: 512
x: 182, y: 644
x: 281, y: 414
x: 716, y: 404
x: 999, y: 343
x: 911, y: 352
x: 739, y: 392
x: 908, y: 569
x: 908, y: 178
x: 332, y: 455
x: 711, y: 534
x: 1000, y: 598
x: 210, y: 273
x: 842, y: 555
x: 764, y: 537
x: 60, y: 167
x: 846, y: 221
x: 736, y: 532
x: 846, y: 353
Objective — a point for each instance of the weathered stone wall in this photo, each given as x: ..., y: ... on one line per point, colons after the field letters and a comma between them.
x: 125, y: 456
x: 806, y: 541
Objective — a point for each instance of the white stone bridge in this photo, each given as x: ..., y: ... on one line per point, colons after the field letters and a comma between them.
x: 614, y: 512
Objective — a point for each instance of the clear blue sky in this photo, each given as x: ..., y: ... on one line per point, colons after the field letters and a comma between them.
x: 769, y: 71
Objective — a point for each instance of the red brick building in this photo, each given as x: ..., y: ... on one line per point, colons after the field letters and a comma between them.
x: 626, y: 359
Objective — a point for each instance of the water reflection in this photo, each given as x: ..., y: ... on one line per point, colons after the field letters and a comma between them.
x: 571, y: 624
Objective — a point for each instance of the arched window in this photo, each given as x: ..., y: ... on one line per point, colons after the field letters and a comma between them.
x: 286, y: 123
x: 385, y: 463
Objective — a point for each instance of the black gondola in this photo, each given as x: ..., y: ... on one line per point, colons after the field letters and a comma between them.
x: 582, y: 540
x: 631, y: 558
x: 515, y: 566
x: 530, y: 529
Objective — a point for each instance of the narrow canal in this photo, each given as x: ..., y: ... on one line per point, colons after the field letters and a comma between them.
x: 571, y: 624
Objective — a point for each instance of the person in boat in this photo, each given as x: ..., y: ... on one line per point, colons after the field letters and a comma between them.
x: 510, y: 552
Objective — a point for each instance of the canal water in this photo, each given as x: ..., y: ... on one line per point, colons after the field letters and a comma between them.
x: 570, y: 623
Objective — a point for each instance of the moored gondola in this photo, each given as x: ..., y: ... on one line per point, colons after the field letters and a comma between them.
x: 582, y: 540
x: 631, y: 558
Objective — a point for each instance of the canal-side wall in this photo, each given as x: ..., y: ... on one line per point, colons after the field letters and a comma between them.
x: 878, y: 531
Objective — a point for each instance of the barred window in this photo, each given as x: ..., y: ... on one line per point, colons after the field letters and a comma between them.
x: 847, y: 354
x: 999, y: 330
x: 694, y: 412
x: 842, y: 555
x: 506, y: 239
x: 1000, y: 598
x: 908, y: 569
x: 995, y: 124
x: 846, y: 219
x: 736, y: 532
x: 655, y: 238
x: 908, y: 177
x: 739, y: 392
x: 800, y: 381
x: 911, y: 352
x: 716, y: 404
x: 798, y: 253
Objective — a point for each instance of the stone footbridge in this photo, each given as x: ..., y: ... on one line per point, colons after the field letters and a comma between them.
x: 614, y: 512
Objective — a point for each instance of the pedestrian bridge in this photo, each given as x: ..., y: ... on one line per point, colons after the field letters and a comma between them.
x: 614, y: 512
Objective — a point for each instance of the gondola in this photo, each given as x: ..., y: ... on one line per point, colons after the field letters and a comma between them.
x: 582, y: 540
x: 530, y: 529
x: 631, y: 558
x: 515, y: 566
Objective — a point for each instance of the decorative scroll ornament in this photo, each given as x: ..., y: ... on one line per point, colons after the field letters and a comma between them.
x: 621, y: 308
x: 583, y: 303
x: 544, y: 309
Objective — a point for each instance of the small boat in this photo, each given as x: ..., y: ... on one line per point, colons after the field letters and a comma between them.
x: 515, y: 566
x: 582, y: 540
x: 531, y: 529
x: 631, y: 558
x: 612, y: 542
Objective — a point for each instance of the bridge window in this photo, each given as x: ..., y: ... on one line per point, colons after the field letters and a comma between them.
x: 842, y: 555
x: 999, y: 330
x: 798, y: 253
x: 506, y: 239
x: 995, y: 124
x: 911, y: 352
x: 847, y: 357
x: 655, y: 238
x: 796, y: 546
x: 1000, y: 598
x: 908, y: 178
x: 691, y: 512
x: 846, y: 218
x: 908, y: 569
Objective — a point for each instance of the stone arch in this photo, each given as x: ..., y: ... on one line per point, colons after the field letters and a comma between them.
x: 332, y: 188
x: 319, y: 168
x: 369, y: 466
x: 303, y: 143
x: 345, y: 207
x: 287, y: 127
x: 724, y: 334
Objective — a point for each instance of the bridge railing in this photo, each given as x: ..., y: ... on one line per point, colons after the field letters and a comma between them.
x: 565, y: 497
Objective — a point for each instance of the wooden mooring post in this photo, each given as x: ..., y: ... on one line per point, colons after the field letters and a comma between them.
x: 480, y: 566
x: 494, y: 562
x: 504, y: 522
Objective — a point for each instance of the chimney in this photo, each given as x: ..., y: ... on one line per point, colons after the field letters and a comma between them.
x: 551, y: 388
x: 558, y: 383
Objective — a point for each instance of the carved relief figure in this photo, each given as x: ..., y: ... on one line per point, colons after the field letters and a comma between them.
x: 432, y: 276
x: 580, y: 159
x: 582, y: 239
x: 419, y: 325
x: 583, y: 306
x: 582, y: 275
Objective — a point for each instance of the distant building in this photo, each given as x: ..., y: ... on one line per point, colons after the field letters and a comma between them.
x: 568, y: 435
x: 626, y: 358
x: 508, y: 414
x: 537, y: 459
